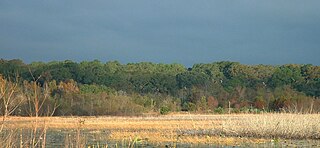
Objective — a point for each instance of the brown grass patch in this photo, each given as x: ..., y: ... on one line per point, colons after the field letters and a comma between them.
x: 185, y: 128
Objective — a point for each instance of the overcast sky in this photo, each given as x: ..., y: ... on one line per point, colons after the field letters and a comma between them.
x: 162, y: 31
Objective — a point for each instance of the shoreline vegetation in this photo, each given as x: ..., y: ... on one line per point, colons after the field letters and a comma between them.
x: 93, y: 103
x: 226, y: 129
x: 93, y: 88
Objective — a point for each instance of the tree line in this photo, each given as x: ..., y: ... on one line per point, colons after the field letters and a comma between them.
x: 112, y: 88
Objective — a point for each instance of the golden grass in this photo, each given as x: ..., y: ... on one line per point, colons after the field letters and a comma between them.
x: 172, y: 137
x: 185, y: 128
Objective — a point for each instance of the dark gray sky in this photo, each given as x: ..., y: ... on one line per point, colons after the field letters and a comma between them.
x: 162, y: 31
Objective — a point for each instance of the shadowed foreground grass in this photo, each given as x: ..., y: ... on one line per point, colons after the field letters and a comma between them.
x: 185, y: 128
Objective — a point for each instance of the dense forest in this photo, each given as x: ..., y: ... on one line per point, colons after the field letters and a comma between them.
x: 95, y: 88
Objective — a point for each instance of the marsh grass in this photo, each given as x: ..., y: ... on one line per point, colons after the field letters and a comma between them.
x: 288, y: 126
x: 233, y: 129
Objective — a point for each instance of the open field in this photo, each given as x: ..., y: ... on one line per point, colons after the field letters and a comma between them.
x: 234, y: 129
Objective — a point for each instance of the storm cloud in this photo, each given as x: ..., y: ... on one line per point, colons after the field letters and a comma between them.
x: 162, y: 31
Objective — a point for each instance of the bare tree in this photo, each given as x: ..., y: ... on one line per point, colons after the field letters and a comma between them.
x: 8, y: 99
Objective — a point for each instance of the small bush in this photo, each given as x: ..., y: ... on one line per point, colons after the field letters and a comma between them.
x: 191, y: 107
x: 219, y: 110
x: 164, y: 110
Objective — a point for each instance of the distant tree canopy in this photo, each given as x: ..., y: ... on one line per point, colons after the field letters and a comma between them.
x: 196, y: 88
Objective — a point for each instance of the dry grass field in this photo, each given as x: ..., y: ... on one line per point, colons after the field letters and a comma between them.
x: 233, y: 129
